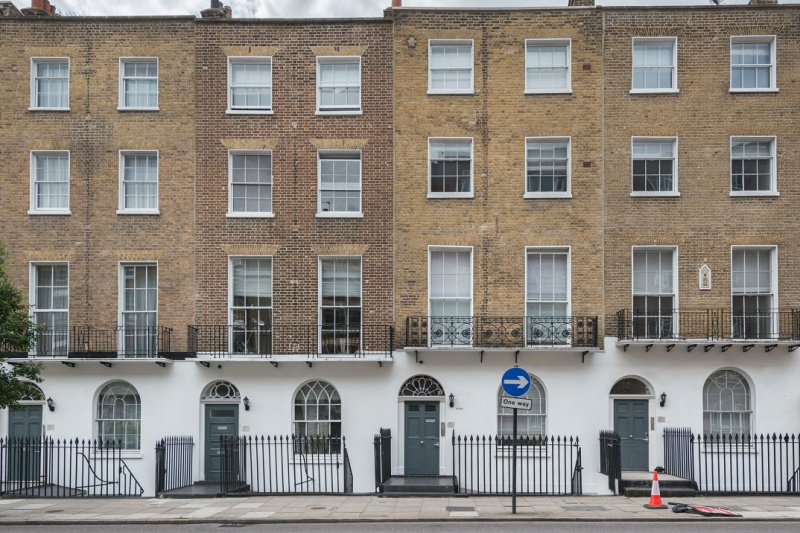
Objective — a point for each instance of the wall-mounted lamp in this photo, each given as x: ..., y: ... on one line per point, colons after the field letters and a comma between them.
x: 51, y: 404
x: 246, y: 401
x: 663, y: 398
x: 452, y: 400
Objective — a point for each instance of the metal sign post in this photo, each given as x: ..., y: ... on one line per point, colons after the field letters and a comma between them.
x: 515, y: 382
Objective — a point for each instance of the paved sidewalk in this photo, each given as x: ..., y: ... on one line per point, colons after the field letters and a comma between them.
x: 373, y: 508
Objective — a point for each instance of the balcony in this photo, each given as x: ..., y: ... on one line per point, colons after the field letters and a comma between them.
x: 85, y: 342
x: 501, y: 332
x: 709, y: 326
x: 295, y: 342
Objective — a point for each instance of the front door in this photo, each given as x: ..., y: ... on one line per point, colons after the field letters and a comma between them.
x: 25, y: 450
x: 631, y: 424
x: 422, y: 439
x: 221, y: 421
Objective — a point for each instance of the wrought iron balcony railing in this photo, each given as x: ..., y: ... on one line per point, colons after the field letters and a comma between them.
x: 708, y: 324
x: 501, y: 332
x: 85, y: 342
x: 309, y: 341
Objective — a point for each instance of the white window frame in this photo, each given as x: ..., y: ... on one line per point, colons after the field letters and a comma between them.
x: 658, y: 140
x: 773, y: 140
x: 675, y: 282
x: 339, y: 109
x: 655, y: 40
x: 232, y: 308
x: 457, y: 194
x: 773, y: 76
x: 132, y: 453
x: 33, y: 286
x: 360, y: 259
x: 552, y: 43
x: 250, y: 214
x: 431, y: 250
x: 122, y: 78
x: 550, y: 194
x: 775, y: 322
x: 567, y: 250
x: 526, y: 416
x: 750, y: 412
x: 34, y: 89
x: 34, y: 208
x: 121, y: 300
x: 249, y: 110
x: 340, y: 214
x: 122, y: 210
x: 451, y: 42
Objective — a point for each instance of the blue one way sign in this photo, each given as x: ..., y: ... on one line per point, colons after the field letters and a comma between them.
x: 516, y: 381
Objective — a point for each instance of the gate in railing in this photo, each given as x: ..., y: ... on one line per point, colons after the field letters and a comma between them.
x: 47, y: 468
x: 734, y: 464
x: 545, y: 465
x: 382, y: 445
x: 285, y: 465
x: 174, y: 456
x: 611, y: 458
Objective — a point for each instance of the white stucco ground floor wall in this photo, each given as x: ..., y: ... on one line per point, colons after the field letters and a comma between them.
x: 578, y: 397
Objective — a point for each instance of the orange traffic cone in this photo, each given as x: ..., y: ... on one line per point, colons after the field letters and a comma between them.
x: 655, y: 495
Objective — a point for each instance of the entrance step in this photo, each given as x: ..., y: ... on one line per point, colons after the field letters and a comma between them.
x: 639, y: 485
x: 405, y: 486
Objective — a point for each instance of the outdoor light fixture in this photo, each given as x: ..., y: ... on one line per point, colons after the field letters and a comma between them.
x: 246, y: 401
x: 663, y: 398
x: 51, y: 404
x: 452, y: 400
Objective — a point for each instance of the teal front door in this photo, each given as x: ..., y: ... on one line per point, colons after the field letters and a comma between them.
x: 631, y: 424
x: 25, y: 450
x: 221, y: 421
x: 422, y: 439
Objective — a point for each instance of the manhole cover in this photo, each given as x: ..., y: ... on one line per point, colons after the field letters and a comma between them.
x: 318, y: 508
x: 232, y: 525
x: 55, y: 511
x: 459, y: 509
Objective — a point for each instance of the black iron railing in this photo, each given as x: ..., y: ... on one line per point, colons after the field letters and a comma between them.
x: 577, y: 476
x: 501, y: 332
x: 708, y: 325
x: 545, y: 465
x: 737, y: 464
x: 174, y: 459
x: 611, y: 458
x: 86, y: 342
x: 47, y: 468
x: 382, y: 444
x: 679, y: 452
x: 315, y: 341
x: 285, y: 465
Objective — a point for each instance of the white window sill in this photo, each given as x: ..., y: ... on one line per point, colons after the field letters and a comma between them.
x: 339, y: 214
x: 138, y: 109
x: 756, y: 90
x: 329, y: 112
x: 249, y: 111
x: 250, y: 215
x: 470, y: 92
x: 548, y: 195
x: 138, y: 212
x: 667, y: 194
x: 451, y: 195
x: 48, y: 109
x: 654, y: 91
x: 548, y: 91
x: 755, y: 193
x: 51, y: 212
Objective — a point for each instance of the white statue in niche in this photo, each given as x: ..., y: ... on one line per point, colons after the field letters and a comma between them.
x: 705, y: 278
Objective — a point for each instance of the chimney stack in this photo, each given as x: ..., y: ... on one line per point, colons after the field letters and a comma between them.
x: 39, y: 8
x: 763, y: 2
x: 397, y: 3
x: 228, y: 12
x: 213, y: 12
x: 581, y: 3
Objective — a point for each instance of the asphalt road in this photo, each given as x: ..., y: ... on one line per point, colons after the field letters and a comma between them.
x: 701, y: 526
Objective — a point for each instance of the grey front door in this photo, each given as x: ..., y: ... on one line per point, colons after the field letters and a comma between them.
x: 221, y: 421
x: 631, y: 423
x: 422, y: 439
x: 25, y: 451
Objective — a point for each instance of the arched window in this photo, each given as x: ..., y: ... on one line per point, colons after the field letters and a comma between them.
x: 726, y: 404
x: 421, y: 385
x: 220, y: 390
x: 119, y: 415
x: 529, y: 423
x: 318, y: 414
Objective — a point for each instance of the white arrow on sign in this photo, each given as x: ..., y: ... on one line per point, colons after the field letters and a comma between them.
x: 521, y: 382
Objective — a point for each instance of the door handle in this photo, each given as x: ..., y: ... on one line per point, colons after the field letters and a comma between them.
x: 645, y: 439
x: 436, y: 444
x: 422, y: 443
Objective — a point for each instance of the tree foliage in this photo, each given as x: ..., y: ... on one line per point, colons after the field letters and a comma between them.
x: 17, y: 332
